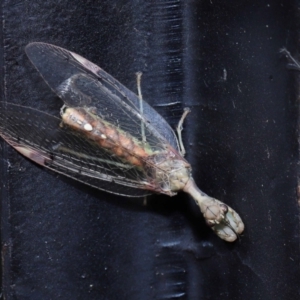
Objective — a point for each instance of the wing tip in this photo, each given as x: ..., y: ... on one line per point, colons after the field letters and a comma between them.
x: 37, y: 46
x: 33, y: 44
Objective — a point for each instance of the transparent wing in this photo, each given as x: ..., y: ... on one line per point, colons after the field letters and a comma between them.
x: 81, y: 83
x: 39, y: 137
x: 110, y: 107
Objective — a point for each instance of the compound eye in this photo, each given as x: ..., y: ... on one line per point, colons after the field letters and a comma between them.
x: 224, y: 208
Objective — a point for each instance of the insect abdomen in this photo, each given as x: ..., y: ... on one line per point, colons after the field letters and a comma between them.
x: 106, y: 136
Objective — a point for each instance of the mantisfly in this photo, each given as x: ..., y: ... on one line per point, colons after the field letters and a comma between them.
x: 107, y: 137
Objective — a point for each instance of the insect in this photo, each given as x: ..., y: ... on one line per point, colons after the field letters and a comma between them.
x: 107, y: 137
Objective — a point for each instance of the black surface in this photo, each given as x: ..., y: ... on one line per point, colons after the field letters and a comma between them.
x: 62, y: 240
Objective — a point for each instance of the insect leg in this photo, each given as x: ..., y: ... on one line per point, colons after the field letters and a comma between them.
x: 138, y: 79
x: 139, y: 89
x: 179, y: 129
x: 293, y: 64
x: 62, y: 109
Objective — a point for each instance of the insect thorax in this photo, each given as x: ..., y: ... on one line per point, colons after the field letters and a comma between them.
x: 169, y: 172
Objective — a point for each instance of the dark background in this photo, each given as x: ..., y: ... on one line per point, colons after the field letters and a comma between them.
x: 63, y: 240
